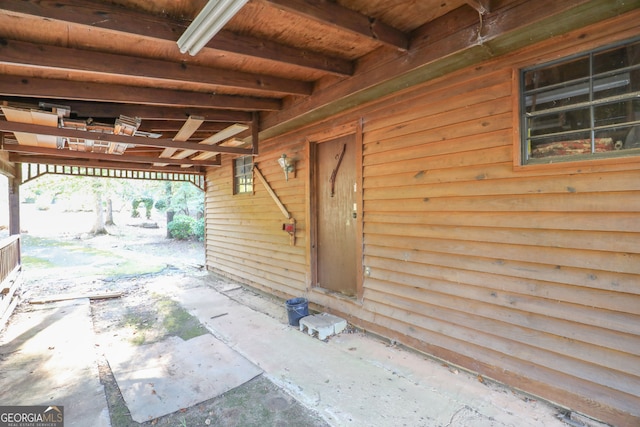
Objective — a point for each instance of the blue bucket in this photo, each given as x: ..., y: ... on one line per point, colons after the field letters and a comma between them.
x: 297, y: 308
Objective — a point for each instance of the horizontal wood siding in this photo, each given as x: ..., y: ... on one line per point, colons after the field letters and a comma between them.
x: 244, y: 236
x: 528, y: 275
x: 537, y: 275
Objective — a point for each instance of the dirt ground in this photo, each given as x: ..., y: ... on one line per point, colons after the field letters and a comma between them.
x: 59, y: 257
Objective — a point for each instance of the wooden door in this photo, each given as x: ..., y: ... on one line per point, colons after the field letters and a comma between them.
x: 337, y: 215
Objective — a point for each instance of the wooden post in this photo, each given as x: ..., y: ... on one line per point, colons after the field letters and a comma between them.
x: 14, y: 200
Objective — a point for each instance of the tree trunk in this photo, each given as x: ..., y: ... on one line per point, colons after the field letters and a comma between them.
x: 109, y: 213
x: 98, y: 226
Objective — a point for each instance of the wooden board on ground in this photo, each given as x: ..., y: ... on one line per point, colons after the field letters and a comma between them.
x: 66, y: 297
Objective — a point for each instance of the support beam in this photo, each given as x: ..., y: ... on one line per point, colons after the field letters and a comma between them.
x: 482, y: 6
x: 272, y: 193
x: 443, y: 47
x: 27, y: 149
x: 87, y: 64
x: 112, y: 18
x: 344, y: 19
x: 86, y: 91
x: 101, y: 111
x: 85, y: 163
x: 14, y: 200
x: 255, y: 134
x: 106, y: 137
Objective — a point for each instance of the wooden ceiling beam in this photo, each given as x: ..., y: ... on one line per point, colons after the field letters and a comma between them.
x: 345, y: 19
x: 86, y: 109
x: 88, y: 163
x: 482, y: 6
x: 150, y: 72
x: 99, y: 15
x: 175, y: 125
x: 442, y: 46
x: 6, y: 126
x: 101, y: 111
x: 88, y: 91
x: 65, y: 153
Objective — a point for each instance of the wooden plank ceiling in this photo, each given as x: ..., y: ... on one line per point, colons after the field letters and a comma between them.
x: 274, y: 62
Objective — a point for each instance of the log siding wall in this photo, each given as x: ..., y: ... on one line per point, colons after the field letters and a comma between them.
x: 528, y: 275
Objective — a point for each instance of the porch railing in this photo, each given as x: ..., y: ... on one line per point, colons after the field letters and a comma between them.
x: 10, y: 269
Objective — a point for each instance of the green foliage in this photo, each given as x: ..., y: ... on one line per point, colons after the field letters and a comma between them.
x: 198, y: 230
x: 161, y: 205
x: 182, y: 227
x: 185, y: 199
x: 148, y: 205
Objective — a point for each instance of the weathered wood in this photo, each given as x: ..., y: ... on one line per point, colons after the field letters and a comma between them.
x: 129, y: 94
x: 188, y: 128
x: 273, y: 195
x: 339, y: 16
x: 212, y: 140
x: 66, y: 297
x: 80, y: 162
x: 114, y: 18
x: 505, y: 30
x: 134, y: 140
x: 127, y: 158
x: 148, y: 72
x: 482, y: 6
x: 524, y: 274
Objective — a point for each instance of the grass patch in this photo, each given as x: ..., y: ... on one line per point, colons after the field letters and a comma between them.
x: 133, y: 268
x: 142, y: 323
x: 159, y: 318
x: 179, y: 322
x: 43, y: 242
x: 35, y: 262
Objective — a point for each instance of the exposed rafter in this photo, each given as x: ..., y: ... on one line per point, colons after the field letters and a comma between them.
x: 277, y: 65
x: 115, y: 18
x: 482, y: 6
x: 79, y: 90
x: 26, y: 149
x: 90, y: 65
x: 346, y: 19
x: 106, y: 137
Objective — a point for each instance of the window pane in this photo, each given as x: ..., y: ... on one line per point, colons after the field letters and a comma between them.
x: 575, y: 69
x: 243, y: 175
x: 589, y: 105
x: 616, y: 112
x: 560, y: 121
x: 563, y: 95
x: 612, y: 85
x: 617, y: 58
x: 622, y: 138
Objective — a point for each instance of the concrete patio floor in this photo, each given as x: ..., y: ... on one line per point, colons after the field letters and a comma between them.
x: 351, y: 379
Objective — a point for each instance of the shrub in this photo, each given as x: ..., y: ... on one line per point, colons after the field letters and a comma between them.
x: 182, y: 227
x: 198, y: 229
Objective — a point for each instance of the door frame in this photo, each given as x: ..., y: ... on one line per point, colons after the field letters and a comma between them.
x: 312, y: 141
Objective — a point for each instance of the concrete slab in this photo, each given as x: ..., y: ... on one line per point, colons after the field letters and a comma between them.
x: 164, y: 377
x: 48, y: 357
x: 355, y: 380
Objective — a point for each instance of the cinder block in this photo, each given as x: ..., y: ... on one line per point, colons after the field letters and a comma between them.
x: 324, y: 324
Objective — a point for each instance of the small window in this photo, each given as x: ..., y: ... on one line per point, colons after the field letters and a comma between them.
x: 583, y: 107
x: 243, y: 175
